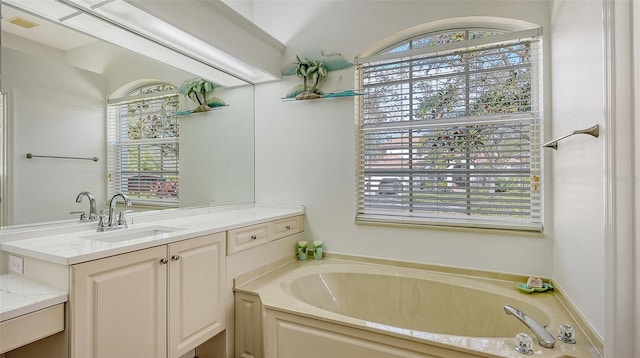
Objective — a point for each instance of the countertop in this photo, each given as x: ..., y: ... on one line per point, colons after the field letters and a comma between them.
x: 73, y: 247
x: 71, y: 243
x: 19, y: 296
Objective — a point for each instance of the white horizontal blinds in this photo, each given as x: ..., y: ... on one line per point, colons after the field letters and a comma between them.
x: 452, y: 138
x: 144, y: 148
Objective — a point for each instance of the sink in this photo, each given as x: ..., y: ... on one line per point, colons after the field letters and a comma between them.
x: 132, y: 234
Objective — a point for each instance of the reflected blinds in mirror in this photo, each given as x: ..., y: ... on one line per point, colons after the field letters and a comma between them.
x: 143, y: 148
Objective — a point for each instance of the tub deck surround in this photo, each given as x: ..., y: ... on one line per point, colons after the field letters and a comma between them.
x: 461, y: 312
x: 72, y: 247
x: 20, y: 296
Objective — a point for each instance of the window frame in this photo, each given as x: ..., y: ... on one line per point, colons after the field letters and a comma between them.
x: 365, y: 212
x: 166, y: 186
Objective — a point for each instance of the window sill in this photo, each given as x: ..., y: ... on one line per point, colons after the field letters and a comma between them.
x: 427, y: 226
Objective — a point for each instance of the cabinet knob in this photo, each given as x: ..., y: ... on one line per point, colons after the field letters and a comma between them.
x: 288, y: 227
x: 253, y: 237
x: 164, y: 261
x: 175, y: 257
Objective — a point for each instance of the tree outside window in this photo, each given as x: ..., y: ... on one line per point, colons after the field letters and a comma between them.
x: 144, y: 145
x: 457, y: 131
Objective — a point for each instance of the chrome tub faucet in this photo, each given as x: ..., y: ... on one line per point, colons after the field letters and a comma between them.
x: 545, y: 338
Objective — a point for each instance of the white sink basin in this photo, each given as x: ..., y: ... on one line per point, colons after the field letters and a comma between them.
x: 132, y: 234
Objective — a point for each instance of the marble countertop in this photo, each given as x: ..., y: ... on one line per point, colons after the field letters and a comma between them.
x: 19, y: 296
x: 70, y: 243
x: 66, y: 246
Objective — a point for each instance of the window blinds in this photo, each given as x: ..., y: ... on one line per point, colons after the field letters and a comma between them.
x: 452, y: 137
x: 143, y: 149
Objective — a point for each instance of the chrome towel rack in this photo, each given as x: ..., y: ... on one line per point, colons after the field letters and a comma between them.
x: 30, y: 156
x: 592, y: 131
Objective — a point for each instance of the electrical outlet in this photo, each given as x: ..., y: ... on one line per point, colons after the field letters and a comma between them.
x: 16, y: 264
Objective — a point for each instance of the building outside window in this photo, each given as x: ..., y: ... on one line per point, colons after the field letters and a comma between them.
x: 143, y: 145
x: 449, y: 131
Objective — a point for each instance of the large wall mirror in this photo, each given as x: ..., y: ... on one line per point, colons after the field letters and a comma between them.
x: 56, y: 84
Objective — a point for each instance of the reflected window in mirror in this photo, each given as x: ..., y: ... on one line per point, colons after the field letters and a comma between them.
x: 143, y: 145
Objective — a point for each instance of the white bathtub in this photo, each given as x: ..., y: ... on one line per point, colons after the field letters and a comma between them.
x: 335, y: 308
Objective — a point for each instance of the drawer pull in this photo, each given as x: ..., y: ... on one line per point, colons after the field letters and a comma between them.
x: 288, y: 227
x: 175, y: 257
x: 253, y: 237
x: 164, y: 261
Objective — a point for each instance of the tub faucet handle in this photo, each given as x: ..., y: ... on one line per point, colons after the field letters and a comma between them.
x: 567, y: 334
x: 524, y: 343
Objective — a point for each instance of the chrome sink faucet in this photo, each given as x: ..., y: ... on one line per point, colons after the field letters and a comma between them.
x: 545, y: 338
x: 111, y: 223
x: 93, y: 213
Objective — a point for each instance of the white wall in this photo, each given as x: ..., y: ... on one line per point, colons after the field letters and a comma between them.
x: 55, y: 110
x: 305, y: 151
x: 578, y: 164
x: 217, y: 152
x: 620, y: 21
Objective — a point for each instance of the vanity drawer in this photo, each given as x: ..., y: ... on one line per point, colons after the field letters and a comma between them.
x: 286, y: 227
x: 247, y: 237
x: 31, y: 327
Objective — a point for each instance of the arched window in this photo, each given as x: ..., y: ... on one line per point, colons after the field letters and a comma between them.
x: 143, y: 145
x: 449, y: 130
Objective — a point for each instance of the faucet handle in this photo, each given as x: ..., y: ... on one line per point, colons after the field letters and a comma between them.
x: 102, y: 225
x: 567, y: 334
x: 524, y: 343
x: 122, y: 220
x: 83, y: 215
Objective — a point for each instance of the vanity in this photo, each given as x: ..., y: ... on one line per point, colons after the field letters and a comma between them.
x: 160, y: 288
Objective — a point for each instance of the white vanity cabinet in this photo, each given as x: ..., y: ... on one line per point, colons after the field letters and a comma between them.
x: 248, y: 325
x: 248, y: 237
x: 158, y: 302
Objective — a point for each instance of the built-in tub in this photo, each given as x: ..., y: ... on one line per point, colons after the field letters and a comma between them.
x: 327, y: 307
x: 460, y: 307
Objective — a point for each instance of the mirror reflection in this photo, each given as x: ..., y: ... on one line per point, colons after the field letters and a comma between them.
x: 62, y: 91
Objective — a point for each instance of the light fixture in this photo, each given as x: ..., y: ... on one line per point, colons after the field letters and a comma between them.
x: 127, y: 26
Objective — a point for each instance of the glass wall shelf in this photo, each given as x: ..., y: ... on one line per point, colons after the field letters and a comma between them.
x: 188, y: 112
x: 347, y: 93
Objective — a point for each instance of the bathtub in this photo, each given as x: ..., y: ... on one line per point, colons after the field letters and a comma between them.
x: 337, y: 308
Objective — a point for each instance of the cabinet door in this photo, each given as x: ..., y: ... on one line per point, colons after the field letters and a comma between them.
x: 196, y: 296
x: 118, y: 306
x: 248, y: 321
